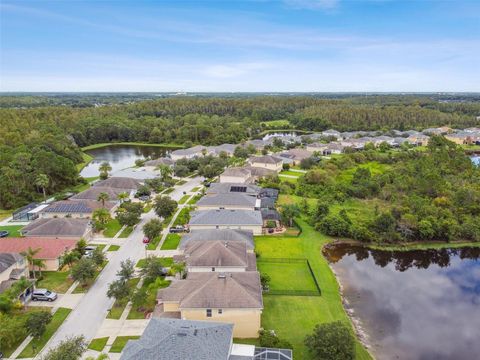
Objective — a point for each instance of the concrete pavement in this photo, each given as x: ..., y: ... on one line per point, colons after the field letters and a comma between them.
x: 88, y: 316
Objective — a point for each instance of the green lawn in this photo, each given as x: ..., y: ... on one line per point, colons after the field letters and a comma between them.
x: 168, y: 191
x: 98, y: 344
x: 171, y: 242
x: 138, y: 314
x: 184, y: 199
x: 58, y: 281
x: 166, y: 262
x: 113, y: 248
x: 80, y: 289
x: 181, y: 182
x: 293, y: 317
x: 288, y: 276
x: 276, y: 123
x: 183, y: 217
x: 195, y: 189
x: 288, y: 179
x: 57, y: 320
x: 86, y: 159
x: 291, y: 173
x: 120, y: 343
x: 112, y: 228
x: 152, y: 245
x: 375, y: 168
x: 148, y: 206
x: 5, y: 214
x: 118, y: 306
x: 12, y: 229
x: 194, y: 199
x: 360, y: 210
x: 126, y: 232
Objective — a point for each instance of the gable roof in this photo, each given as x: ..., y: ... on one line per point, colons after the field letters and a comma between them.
x: 266, y: 159
x: 226, y: 217
x: 49, y: 248
x: 190, y: 151
x: 119, y: 183
x: 230, y: 235
x: 159, y: 161
x: 238, y: 290
x: 296, y: 154
x: 174, y: 339
x: 77, y: 206
x: 7, y: 259
x: 93, y: 192
x: 216, y: 253
x: 236, y: 188
x: 57, y: 227
x: 237, y: 171
x: 229, y: 199
x: 259, y: 171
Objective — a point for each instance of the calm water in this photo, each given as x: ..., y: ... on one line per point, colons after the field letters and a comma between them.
x: 120, y: 157
x: 476, y: 160
x: 414, y: 305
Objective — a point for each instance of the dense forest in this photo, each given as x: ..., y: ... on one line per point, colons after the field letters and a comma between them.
x: 42, y: 134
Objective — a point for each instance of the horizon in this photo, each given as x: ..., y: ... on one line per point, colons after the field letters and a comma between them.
x: 289, y: 46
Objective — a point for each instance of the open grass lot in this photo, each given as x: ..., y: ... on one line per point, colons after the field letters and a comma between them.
x: 184, y: 199
x: 14, y: 230
x: 57, y: 320
x: 375, y: 168
x: 360, y: 210
x: 112, y: 228
x: 120, y: 342
x: 126, y: 232
x: 288, y: 276
x: 98, y: 344
x: 293, y: 317
x: 58, y: 281
x: 171, y: 242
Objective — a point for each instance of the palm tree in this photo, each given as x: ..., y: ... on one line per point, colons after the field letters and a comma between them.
x: 101, y: 215
x: 165, y: 171
x: 103, y: 196
x: 40, y: 264
x: 30, y: 257
x: 42, y: 182
x: 104, y: 168
x: 123, y: 196
x: 289, y: 212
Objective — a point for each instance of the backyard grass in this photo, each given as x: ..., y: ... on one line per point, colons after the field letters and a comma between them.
x: 126, y: 232
x: 98, y: 344
x: 80, y: 289
x: 152, y: 245
x: 288, y: 179
x: 119, y: 306
x: 293, y: 317
x: 171, y: 242
x: 58, y: 281
x: 120, y: 342
x: 276, y: 123
x: 183, y: 199
x: 288, y: 276
x: 113, y: 248
x: 112, y: 228
x: 14, y: 230
x: 149, y: 306
x: 57, y: 319
x: 291, y: 173
x: 194, y: 199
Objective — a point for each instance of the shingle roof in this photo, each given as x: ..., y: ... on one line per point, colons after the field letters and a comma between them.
x: 236, y: 171
x: 226, y: 217
x: 225, y: 188
x: 296, y: 154
x: 57, y: 227
x: 119, y: 183
x: 189, y: 151
x: 238, y: 290
x: 94, y: 191
x: 7, y: 259
x: 77, y: 206
x: 160, y: 161
x: 216, y: 253
x: 50, y: 248
x: 259, y: 171
x: 266, y: 159
x: 229, y: 199
x: 229, y: 235
x: 174, y: 339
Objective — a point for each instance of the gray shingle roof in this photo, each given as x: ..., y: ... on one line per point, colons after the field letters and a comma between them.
x: 238, y: 290
x: 119, y: 183
x: 229, y: 235
x: 94, y: 191
x: 160, y: 161
x: 216, y: 253
x: 259, y: 171
x: 230, y: 199
x: 226, y: 217
x: 57, y: 227
x: 173, y: 339
x: 236, y: 171
x: 77, y: 206
x: 189, y: 151
x: 8, y: 259
x: 225, y: 188
x: 266, y: 159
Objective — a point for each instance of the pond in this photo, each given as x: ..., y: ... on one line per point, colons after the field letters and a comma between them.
x: 120, y: 157
x: 422, y: 304
x: 281, y: 134
x: 476, y: 159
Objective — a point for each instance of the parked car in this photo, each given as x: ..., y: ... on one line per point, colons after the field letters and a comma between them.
x: 43, y: 295
x: 177, y: 229
x: 4, y: 233
x: 144, y: 198
x: 146, y: 240
x: 89, y: 250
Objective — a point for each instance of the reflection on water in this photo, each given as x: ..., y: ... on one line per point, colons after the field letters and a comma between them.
x: 476, y: 160
x: 413, y: 305
x: 120, y: 157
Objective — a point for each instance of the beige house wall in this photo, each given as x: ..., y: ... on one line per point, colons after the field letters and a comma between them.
x: 51, y: 265
x: 257, y: 229
x: 171, y: 306
x: 246, y: 321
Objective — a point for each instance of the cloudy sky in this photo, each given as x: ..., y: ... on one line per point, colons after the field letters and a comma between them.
x: 290, y: 45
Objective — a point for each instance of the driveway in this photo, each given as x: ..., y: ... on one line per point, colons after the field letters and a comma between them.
x: 87, y: 317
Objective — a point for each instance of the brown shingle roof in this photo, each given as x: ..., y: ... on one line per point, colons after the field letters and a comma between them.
x: 216, y: 253
x: 119, y: 183
x: 57, y: 227
x: 216, y: 290
x: 266, y: 159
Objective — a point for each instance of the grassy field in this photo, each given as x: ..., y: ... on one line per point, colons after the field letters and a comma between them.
x: 86, y: 159
x: 375, y: 168
x: 293, y: 317
x: 276, y: 124
x: 98, y: 344
x: 120, y: 343
x: 57, y: 320
x: 291, y: 173
x: 183, y: 199
x: 171, y: 242
x: 5, y: 214
x: 126, y: 232
x: 288, y: 276
x: 112, y: 228
x: 58, y: 281
x: 360, y: 210
x: 152, y: 245
x: 113, y: 248
x: 166, y: 262
x: 12, y: 229
x: 100, y: 145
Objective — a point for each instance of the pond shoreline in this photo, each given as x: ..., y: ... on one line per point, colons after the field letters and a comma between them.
x: 101, y: 145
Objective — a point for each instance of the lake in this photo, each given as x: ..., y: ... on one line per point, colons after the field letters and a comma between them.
x: 120, y: 157
x: 415, y: 305
x: 476, y: 160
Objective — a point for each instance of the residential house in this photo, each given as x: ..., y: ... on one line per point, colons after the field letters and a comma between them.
x: 334, y: 148
x: 418, y: 140
x: 190, y: 153
x: 438, y: 131
x: 269, y: 192
x: 317, y: 147
x: 74, y: 209
x: 217, y: 256
x: 333, y: 133
x: 295, y: 156
x: 237, y: 201
x: 223, y: 297
x: 227, y: 219
x: 13, y: 267
x: 257, y: 143
x: 119, y: 182
x: 223, y: 235
x: 160, y: 161
x: 258, y: 172
x: 269, y: 162
x: 228, y: 149
x: 140, y: 174
x: 462, y: 138
x: 233, y: 188
x: 62, y: 228
x: 93, y: 193
x: 51, y: 249
x: 236, y: 175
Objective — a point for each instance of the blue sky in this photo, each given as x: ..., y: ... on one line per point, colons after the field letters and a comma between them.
x: 290, y: 45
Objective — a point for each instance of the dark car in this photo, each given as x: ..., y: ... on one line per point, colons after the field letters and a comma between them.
x: 4, y: 233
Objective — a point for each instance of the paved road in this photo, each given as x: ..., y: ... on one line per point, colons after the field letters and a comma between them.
x: 88, y: 315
